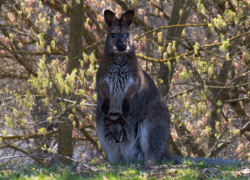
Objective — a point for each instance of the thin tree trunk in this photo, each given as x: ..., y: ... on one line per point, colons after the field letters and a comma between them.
x: 75, y: 36
x: 65, y: 141
x: 174, y: 33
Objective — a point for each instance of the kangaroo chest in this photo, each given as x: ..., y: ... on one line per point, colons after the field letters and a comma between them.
x: 119, y: 77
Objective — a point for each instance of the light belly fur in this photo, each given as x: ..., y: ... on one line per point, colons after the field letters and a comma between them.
x: 118, y: 88
x: 119, y: 80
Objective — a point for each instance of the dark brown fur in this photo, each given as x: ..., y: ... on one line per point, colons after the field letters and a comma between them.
x: 139, y: 102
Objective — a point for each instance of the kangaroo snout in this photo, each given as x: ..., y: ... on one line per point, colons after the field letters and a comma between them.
x: 117, y: 136
x: 121, y: 46
x: 116, y: 140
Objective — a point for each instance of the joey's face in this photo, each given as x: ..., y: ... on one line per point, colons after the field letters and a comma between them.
x: 115, y: 129
x: 118, y: 37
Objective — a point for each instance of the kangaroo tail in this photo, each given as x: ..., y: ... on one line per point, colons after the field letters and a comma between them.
x: 212, y: 161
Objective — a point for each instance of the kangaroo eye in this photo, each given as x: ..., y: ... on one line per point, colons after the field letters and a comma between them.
x: 120, y: 131
x: 113, y: 35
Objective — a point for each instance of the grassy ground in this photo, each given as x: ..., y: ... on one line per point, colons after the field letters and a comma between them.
x: 114, y: 171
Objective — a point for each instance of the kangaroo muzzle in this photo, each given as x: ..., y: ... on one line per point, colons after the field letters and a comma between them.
x: 121, y: 45
x: 116, y: 138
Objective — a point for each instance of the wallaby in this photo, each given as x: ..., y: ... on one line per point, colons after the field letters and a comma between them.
x: 125, y: 91
x: 115, y: 129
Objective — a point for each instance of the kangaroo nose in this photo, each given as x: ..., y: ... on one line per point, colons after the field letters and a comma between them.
x: 121, y: 46
x: 117, y: 141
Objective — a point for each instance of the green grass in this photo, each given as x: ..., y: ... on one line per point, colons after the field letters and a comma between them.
x: 108, y: 171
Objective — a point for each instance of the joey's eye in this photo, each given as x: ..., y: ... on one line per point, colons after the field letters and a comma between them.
x: 127, y: 34
x: 120, y: 131
x: 113, y: 35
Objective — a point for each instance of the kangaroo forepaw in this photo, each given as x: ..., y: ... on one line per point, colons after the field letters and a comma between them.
x: 125, y: 107
x: 105, y: 106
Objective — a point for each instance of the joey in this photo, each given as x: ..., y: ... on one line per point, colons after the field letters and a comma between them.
x: 115, y: 129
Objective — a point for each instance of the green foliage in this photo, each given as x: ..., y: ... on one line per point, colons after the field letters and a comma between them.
x: 136, y: 171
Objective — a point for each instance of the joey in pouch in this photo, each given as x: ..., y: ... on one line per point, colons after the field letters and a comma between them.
x: 115, y: 129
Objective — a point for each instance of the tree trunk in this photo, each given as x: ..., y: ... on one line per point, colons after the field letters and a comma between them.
x: 174, y: 33
x: 65, y: 141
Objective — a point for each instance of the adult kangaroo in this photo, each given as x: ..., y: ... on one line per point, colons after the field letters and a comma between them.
x: 126, y: 92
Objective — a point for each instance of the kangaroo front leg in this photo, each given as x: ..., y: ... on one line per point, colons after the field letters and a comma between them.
x: 104, y: 94
x: 105, y: 106
x: 127, y: 99
x: 125, y: 106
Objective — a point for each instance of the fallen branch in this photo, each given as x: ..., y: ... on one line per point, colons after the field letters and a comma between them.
x: 244, y: 129
x: 27, y: 153
x: 35, y: 136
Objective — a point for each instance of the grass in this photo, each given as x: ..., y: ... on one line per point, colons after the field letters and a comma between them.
x: 108, y: 171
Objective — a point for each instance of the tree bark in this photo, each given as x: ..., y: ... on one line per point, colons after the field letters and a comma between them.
x: 65, y: 140
x: 75, y: 36
x: 174, y: 33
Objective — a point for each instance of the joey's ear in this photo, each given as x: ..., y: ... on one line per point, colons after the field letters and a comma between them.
x: 107, y: 121
x: 128, y: 16
x: 120, y: 121
x: 109, y: 17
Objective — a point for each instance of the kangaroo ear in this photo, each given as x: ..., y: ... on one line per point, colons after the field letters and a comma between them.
x: 109, y: 17
x: 128, y: 16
